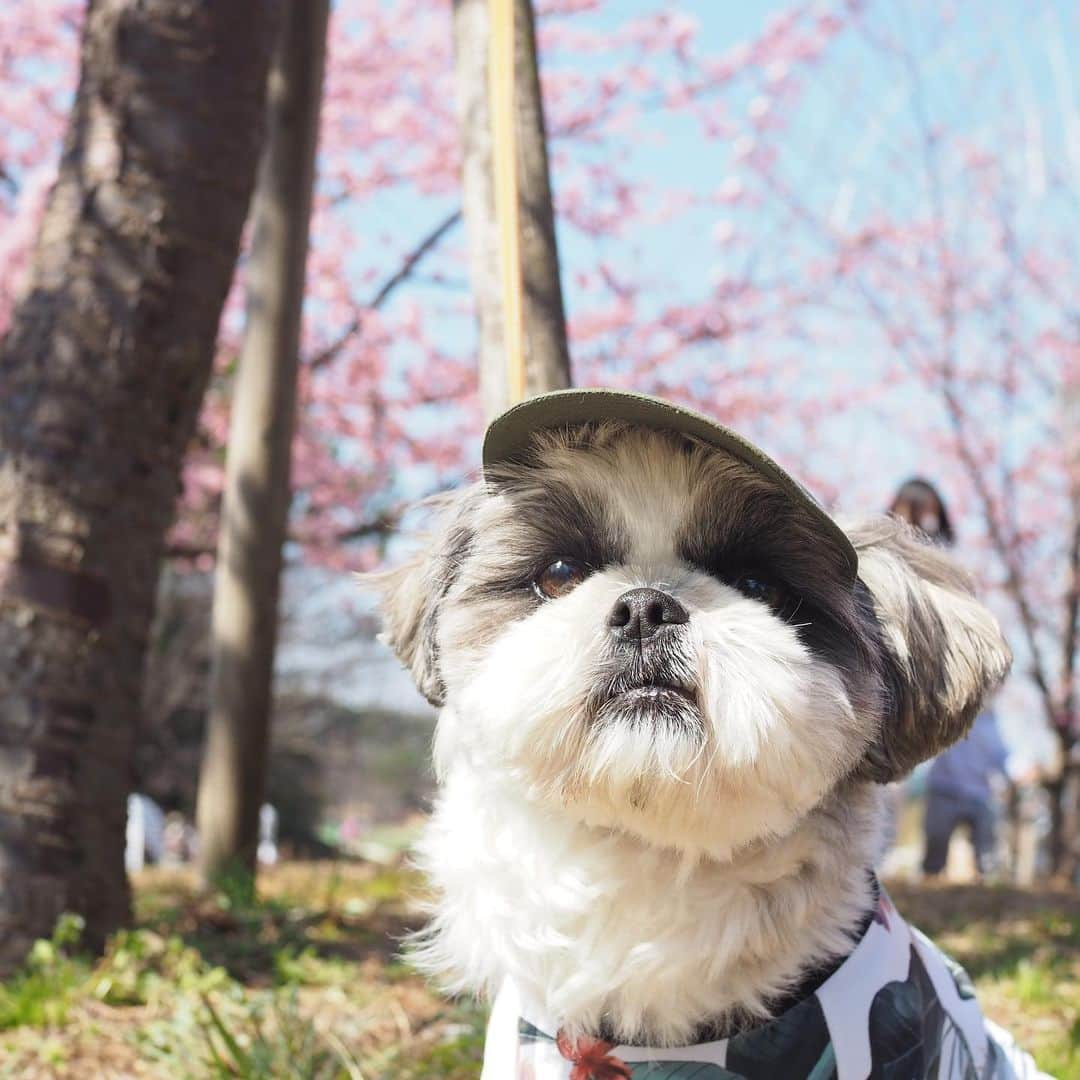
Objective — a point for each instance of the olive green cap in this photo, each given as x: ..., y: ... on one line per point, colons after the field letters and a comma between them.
x: 510, y: 433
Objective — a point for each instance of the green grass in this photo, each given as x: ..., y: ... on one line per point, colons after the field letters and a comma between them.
x: 305, y: 982
x: 254, y: 1038
x: 301, y: 983
x: 1022, y: 950
x: 42, y: 993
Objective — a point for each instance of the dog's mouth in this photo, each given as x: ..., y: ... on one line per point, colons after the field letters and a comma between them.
x: 658, y: 693
x: 658, y: 700
x: 650, y: 687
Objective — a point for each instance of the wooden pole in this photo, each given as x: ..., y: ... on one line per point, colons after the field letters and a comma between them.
x: 509, y: 220
x: 503, y: 97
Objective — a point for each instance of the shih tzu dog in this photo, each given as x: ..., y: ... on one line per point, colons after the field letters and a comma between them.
x: 669, y: 689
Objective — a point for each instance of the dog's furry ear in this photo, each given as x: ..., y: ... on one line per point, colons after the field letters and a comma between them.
x: 411, y: 595
x: 943, y: 651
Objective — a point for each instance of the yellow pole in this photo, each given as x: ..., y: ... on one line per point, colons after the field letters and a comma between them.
x: 501, y: 80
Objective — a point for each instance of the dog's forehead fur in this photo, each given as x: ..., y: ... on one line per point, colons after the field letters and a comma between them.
x: 626, y: 495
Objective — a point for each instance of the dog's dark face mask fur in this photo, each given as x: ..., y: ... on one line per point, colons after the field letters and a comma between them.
x: 647, y: 635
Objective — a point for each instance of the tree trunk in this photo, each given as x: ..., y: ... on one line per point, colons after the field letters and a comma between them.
x: 1069, y: 866
x: 547, y: 358
x: 1068, y: 720
x: 257, y: 490
x: 101, y: 377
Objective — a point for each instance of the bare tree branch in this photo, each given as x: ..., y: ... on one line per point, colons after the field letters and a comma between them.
x: 381, y: 525
x: 402, y: 274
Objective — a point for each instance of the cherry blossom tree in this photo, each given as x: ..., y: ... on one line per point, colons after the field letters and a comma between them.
x: 848, y: 232
x: 386, y: 393
x: 960, y: 284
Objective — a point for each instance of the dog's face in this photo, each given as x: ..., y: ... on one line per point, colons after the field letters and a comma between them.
x: 647, y: 634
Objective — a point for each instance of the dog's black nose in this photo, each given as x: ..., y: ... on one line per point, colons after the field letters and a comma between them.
x: 639, y: 613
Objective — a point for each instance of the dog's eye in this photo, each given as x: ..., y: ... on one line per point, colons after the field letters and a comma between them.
x: 558, y: 579
x: 761, y: 588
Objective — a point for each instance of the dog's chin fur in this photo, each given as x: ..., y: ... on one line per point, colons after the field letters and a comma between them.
x: 596, y: 926
x: 657, y: 835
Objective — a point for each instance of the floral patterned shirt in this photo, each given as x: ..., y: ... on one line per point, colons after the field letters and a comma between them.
x: 896, y: 1009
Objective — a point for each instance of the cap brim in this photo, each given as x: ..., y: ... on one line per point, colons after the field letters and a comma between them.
x: 510, y: 434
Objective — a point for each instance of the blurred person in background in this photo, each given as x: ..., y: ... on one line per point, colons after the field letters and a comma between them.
x: 960, y: 782
x: 267, y: 853
x: 960, y: 792
x: 918, y: 503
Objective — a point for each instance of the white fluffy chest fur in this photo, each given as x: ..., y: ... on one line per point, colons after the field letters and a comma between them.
x: 596, y: 926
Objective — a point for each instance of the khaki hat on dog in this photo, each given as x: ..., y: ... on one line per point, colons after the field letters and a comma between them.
x: 509, y: 434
